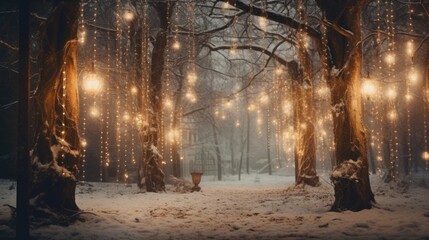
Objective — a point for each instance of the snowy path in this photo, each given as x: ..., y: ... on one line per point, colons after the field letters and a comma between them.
x: 236, y: 210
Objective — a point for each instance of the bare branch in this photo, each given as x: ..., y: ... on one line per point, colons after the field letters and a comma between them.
x: 10, y: 46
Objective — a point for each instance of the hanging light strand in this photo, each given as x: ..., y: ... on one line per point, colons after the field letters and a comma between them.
x: 118, y: 56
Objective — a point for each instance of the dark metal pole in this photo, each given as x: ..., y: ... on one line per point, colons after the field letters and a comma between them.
x: 23, y: 169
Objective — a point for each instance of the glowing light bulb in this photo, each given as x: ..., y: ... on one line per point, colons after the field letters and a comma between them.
x: 94, y: 111
x: 81, y: 36
x: 251, y: 107
x: 368, y: 88
x: 287, y: 107
x: 413, y: 76
x: 92, y: 83
x: 126, y: 175
x: 392, y: 115
x: 228, y: 104
x: 263, y: 22
x: 176, y: 45
x: 303, y: 125
x: 306, y: 40
x: 425, y: 156
x: 389, y: 58
x: 408, y: 97
x: 83, y: 143
x: 225, y: 5
x: 237, y: 124
x: 128, y: 15
x: 259, y: 120
x: 134, y: 90
x: 127, y: 116
x: 410, y: 48
x: 192, y: 78
x: 233, y: 51
x: 264, y: 98
x: 168, y: 103
x: 391, y: 93
x: 279, y: 70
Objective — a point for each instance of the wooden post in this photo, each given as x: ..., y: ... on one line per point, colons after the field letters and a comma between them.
x: 23, y: 169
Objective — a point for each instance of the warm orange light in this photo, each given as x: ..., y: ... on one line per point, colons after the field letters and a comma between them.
x: 128, y: 15
x: 391, y: 93
x: 263, y: 22
x: 413, y: 76
x: 425, y: 156
x: 94, y: 111
x: 389, y: 58
x: 192, y: 78
x: 83, y: 143
x: 134, y: 90
x: 176, y: 45
x: 368, y: 88
x: 392, y: 115
x: 92, y: 83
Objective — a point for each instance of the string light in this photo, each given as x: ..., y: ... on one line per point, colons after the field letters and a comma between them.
x: 82, y: 32
x: 63, y: 115
x: 118, y: 56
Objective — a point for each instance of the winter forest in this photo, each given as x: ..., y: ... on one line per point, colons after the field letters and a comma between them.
x: 214, y: 119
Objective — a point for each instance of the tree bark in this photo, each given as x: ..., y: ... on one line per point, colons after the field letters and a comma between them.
x: 345, y: 84
x: 56, y: 155
x: 217, y: 150
x: 305, y: 146
x: 150, y: 172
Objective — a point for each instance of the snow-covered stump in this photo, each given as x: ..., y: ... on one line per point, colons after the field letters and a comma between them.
x: 351, y: 191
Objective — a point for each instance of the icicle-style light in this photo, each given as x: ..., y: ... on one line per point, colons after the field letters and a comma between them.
x: 92, y: 83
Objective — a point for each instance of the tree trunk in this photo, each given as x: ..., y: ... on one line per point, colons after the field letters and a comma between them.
x: 305, y: 148
x: 218, y: 157
x: 248, y: 138
x: 56, y: 150
x: 351, y: 193
x: 150, y: 172
x: 231, y: 147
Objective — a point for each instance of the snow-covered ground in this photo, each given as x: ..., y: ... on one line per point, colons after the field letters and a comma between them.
x: 258, y: 207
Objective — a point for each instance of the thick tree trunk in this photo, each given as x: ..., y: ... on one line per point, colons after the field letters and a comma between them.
x: 351, y: 193
x: 305, y: 148
x: 150, y: 172
x: 56, y: 150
